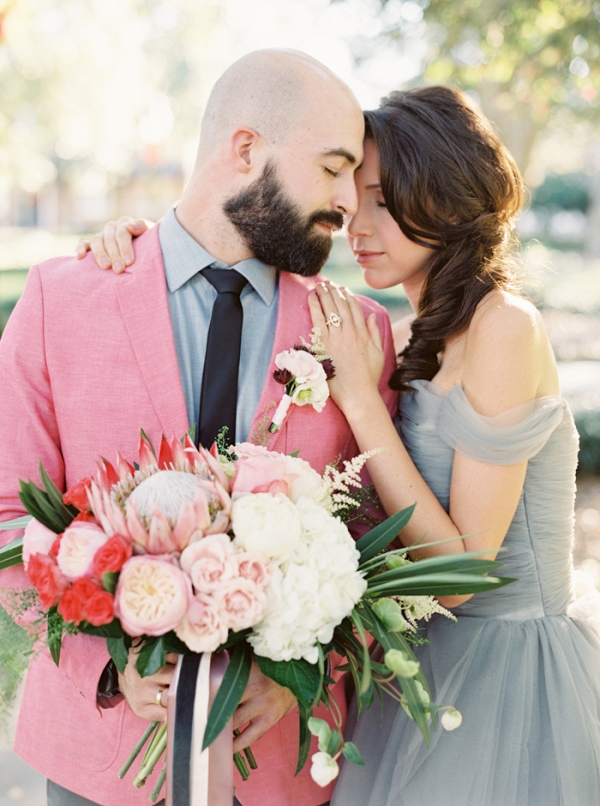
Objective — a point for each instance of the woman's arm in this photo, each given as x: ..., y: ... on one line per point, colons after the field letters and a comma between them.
x: 502, y: 368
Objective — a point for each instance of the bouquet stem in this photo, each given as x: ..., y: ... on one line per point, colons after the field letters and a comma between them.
x: 159, y: 784
x: 154, y: 752
x: 136, y: 750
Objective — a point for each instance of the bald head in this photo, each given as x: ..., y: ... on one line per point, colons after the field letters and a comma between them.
x: 273, y: 92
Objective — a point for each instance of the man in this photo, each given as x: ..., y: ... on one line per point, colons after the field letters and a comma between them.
x: 89, y: 358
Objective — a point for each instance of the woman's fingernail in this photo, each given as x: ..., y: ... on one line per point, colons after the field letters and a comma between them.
x: 104, y: 262
x: 118, y: 266
x: 128, y: 259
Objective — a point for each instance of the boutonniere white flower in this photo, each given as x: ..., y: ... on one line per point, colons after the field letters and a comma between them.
x: 304, y: 372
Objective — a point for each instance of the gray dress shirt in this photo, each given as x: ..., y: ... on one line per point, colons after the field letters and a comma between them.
x: 191, y: 298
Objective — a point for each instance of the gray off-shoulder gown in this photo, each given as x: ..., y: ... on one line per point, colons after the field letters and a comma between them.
x: 522, y: 664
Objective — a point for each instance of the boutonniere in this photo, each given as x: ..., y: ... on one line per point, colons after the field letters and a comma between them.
x: 304, y: 372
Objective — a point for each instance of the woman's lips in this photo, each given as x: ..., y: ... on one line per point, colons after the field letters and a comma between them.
x: 363, y: 256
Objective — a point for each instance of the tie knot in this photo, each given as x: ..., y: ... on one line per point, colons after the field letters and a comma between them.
x: 225, y: 280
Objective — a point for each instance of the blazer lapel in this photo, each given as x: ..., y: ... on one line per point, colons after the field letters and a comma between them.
x: 293, y: 321
x: 142, y: 298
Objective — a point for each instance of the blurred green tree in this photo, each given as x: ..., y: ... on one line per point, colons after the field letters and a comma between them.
x: 527, y: 60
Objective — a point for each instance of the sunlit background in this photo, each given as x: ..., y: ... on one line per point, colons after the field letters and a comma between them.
x: 101, y: 100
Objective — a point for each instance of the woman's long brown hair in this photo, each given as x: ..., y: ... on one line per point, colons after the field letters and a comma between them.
x: 450, y: 184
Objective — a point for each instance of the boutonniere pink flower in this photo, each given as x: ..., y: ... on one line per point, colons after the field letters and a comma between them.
x: 304, y: 372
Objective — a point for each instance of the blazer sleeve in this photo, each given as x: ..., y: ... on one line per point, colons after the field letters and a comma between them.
x: 29, y: 434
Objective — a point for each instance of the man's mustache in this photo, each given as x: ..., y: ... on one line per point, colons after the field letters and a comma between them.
x: 331, y: 217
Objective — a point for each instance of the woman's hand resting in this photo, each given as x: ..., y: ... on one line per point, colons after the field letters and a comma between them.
x: 355, y: 345
x: 113, y: 247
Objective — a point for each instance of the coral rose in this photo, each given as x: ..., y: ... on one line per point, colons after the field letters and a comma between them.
x: 45, y: 576
x: 77, y: 495
x: 152, y: 595
x: 111, y: 556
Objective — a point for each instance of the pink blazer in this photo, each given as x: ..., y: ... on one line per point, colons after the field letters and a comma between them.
x: 87, y: 359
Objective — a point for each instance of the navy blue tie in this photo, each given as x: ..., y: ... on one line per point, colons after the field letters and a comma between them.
x: 218, y: 396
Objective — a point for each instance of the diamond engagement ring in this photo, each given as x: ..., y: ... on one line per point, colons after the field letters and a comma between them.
x: 159, y: 697
x: 334, y: 319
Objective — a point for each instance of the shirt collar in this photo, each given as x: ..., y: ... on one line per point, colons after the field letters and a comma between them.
x: 184, y: 258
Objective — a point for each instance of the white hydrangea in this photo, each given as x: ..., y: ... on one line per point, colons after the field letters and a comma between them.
x: 312, y: 590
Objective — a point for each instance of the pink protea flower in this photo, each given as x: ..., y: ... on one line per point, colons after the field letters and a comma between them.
x: 168, y: 502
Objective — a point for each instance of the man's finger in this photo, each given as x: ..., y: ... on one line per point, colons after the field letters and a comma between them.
x: 257, y: 728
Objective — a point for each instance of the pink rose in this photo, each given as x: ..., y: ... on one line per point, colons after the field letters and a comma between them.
x: 256, y: 469
x: 303, y: 365
x: 210, y: 562
x: 242, y: 603
x: 152, y: 595
x: 254, y: 567
x: 37, y: 539
x: 202, y: 628
x: 78, y: 545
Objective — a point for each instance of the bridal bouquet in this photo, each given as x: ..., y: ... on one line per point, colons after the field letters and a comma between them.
x: 243, y: 550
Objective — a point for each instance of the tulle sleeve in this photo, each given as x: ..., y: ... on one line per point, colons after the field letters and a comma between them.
x: 506, y: 439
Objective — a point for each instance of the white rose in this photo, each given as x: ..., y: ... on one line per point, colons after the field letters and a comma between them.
x: 312, y: 393
x: 324, y: 769
x: 266, y: 524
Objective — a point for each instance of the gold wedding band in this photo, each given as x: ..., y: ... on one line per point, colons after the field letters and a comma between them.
x: 334, y: 319
x: 159, y: 697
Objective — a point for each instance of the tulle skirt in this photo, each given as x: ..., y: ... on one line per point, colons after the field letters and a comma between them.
x: 529, y: 695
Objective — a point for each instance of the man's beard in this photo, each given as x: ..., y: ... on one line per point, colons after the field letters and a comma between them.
x: 274, y: 230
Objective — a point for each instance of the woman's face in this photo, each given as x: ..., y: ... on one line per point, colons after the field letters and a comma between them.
x: 386, y: 256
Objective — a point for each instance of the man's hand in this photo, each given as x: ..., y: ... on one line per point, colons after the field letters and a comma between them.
x: 263, y: 704
x: 113, y: 247
x: 141, y: 692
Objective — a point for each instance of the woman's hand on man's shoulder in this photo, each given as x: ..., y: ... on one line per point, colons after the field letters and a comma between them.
x: 113, y: 247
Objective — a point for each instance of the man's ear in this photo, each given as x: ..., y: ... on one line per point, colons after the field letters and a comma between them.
x: 245, y: 143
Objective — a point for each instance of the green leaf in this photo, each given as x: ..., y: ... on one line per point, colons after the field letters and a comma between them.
x: 16, y: 523
x: 230, y: 692
x: 335, y: 740
x: 12, y: 553
x: 295, y: 454
x: 66, y: 514
x: 112, y: 630
x: 109, y: 580
x: 304, y: 743
x: 350, y: 751
x: 365, y: 680
x: 118, y: 652
x: 382, y: 535
x: 446, y: 563
x: 320, y: 729
x: 234, y: 638
x: 438, y: 585
x: 55, y: 632
x: 37, y: 504
x: 172, y: 643
x: 302, y: 678
x: 151, y: 657
x: 395, y: 640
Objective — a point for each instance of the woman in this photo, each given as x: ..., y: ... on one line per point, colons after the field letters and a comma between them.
x: 487, y: 449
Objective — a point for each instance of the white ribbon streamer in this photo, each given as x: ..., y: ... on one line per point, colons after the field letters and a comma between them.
x: 199, y: 760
